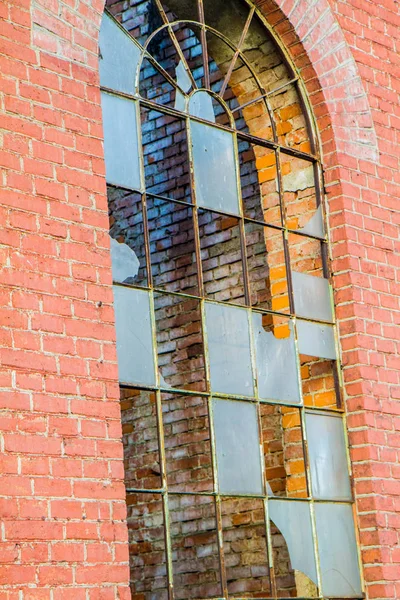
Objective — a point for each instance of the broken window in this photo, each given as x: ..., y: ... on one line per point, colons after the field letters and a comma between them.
x: 235, y: 455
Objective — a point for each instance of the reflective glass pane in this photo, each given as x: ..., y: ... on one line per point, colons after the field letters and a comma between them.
x: 140, y: 439
x: 121, y: 151
x: 147, y: 557
x: 228, y: 339
x: 119, y: 55
x: 187, y: 443
x: 214, y: 168
x: 312, y: 297
x: 179, y: 342
x: 337, y: 548
x: 135, y: 349
x: 128, y: 252
x: 237, y: 446
x: 194, y: 544
x: 327, y: 454
x: 283, y: 451
x: 221, y: 256
x: 276, y: 361
x: 245, y: 548
x: 293, y: 549
x: 315, y: 339
x: 172, y: 246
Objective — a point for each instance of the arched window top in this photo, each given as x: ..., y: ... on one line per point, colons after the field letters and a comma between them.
x: 236, y: 465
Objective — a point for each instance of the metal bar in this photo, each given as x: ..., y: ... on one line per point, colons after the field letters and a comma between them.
x: 200, y: 8
x: 267, y: 523
x: 147, y: 242
x: 237, y: 51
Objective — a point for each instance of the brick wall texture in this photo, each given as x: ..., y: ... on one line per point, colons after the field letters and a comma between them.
x: 63, y: 531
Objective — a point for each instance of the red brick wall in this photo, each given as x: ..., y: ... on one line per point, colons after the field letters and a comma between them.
x: 62, y: 497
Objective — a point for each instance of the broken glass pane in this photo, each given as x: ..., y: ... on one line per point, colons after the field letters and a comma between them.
x: 187, y: 443
x: 237, y: 447
x: 299, y: 193
x: 215, y: 176
x: 258, y: 177
x: 266, y: 267
x: 315, y: 226
x: 290, y: 120
x: 328, y: 459
x: 315, y: 339
x: 155, y: 85
x: 188, y: 37
x: 119, y: 56
x: 283, y: 451
x: 165, y: 155
x: 135, y: 349
x: 147, y: 556
x: 172, y: 246
x: 320, y: 382
x: 293, y: 549
x: 194, y: 545
x: 276, y: 361
x: 221, y: 255
x: 312, y: 297
x: 179, y: 342
x: 140, y: 439
x: 229, y: 356
x: 121, y: 151
x: 245, y: 548
x: 337, y: 548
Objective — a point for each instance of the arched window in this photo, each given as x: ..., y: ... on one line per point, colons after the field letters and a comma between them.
x: 236, y: 465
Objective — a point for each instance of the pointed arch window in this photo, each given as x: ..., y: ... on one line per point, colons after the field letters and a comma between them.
x: 236, y: 465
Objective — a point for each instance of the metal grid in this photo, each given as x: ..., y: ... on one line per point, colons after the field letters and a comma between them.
x: 284, y: 231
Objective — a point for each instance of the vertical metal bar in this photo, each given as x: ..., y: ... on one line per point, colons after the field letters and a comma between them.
x: 237, y: 51
x: 200, y: 8
x: 272, y: 580
x: 147, y: 241
x: 243, y: 251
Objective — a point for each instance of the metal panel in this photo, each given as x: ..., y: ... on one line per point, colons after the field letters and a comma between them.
x: 121, y: 150
x: 237, y: 447
x: 229, y: 354
x: 315, y: 339
x: 293, y: 520
x: 277, y: 374
x: 134, y: 336
x: 119, y: 57
x: 214, y: 168
x: 328, y: 461
x: 312, y: 297
x: 337, y: 548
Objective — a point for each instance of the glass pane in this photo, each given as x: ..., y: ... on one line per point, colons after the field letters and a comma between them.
x: 194, y: 543
x: 128, y: 251
x: 135, y: 348
x: 299, y: 195
x: 245, y: 548
x: 165, y: 155
x: 306, y: 255
x: 276, y: 360
x: 312, y: 297
x: 237, y: 447
x: 187, y: 443
x: 228, y: 339
x: 179, y: 342
x: 221, y: 255
x: 147, y: 557
x: 315, y: 339
x: 337, y: 549
x: 293, y: 549
x: 283, y: 451
x: 214, y: 165
x: 140, y: 439
x: 154, y: 85
x: 119, y: 55
x: 266, y: 267
x: 328, y: 459
x: 172, y: 246
x: 188, y: 38
x: 258, y: 177
x: 121, y: 151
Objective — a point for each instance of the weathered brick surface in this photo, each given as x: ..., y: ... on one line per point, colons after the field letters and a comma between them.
x: 62, y: 498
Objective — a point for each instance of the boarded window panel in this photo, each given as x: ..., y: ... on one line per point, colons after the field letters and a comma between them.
x: 293, y: 549
x: 238, y: 450
x: 328, y: 460
x: 134, y: 336
x: 337, y: 549
x: 215, y: 176
x: 121, y: 148
x: 229, y: 356
x: 119, y: 57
